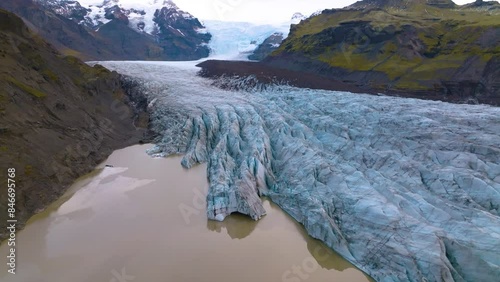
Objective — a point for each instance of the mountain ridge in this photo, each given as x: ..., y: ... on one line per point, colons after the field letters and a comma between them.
x: 119, y: 34
x: 402, y: 4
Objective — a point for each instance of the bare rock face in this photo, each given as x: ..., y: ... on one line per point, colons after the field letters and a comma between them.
x: 406, y: 189
x: 115, y: 13
x: 267, y: 47
x: 179, y: 31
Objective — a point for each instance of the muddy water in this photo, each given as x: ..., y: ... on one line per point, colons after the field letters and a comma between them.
x: 144, y: 220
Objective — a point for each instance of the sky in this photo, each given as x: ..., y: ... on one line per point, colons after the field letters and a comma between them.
x: 260, y: 11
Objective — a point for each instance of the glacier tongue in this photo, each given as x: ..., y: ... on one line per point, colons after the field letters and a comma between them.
x: 406, y: 189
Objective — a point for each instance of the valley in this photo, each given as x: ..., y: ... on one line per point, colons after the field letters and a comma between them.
x: 368, y: 133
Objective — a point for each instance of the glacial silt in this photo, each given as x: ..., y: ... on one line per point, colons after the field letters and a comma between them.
x: 406, y: 189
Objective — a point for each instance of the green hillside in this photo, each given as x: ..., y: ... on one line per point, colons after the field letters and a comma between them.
x: 413, y: 45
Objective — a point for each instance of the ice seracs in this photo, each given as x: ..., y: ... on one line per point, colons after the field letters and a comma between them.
x: 406, y: 189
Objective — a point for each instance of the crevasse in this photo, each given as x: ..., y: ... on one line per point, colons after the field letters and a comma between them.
x: 406, y: 189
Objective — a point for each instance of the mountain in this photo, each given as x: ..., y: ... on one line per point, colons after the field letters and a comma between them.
x: 425, y: 49
x: 59, y: 117
x: 65, y: 35
x: 154, y: 30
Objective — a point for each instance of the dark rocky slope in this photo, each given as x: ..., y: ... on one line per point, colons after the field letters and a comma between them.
x: 428, y: 48
x: 269, y: 45
x: 258, y: 75
x: 58, y: 117
x: 68, y: 37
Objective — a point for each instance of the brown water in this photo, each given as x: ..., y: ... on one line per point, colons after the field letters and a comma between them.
x: 144, y: 220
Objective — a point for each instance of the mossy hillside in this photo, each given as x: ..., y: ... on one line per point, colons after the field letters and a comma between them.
x: 26, y: 88
x: 82, y: 75
x: 33, y: 58
x: 423, y: 44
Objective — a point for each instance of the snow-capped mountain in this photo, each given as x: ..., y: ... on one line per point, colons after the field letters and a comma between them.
x: 70, y: 9
x: 95, y: 13
x: 159, y: 30
x: 178, y: 33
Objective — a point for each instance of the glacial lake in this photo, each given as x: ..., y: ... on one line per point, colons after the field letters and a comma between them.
x: 144, y: 220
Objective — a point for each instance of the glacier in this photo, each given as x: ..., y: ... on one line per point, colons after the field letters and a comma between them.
x: 405, y: 189
x: 237, y: 40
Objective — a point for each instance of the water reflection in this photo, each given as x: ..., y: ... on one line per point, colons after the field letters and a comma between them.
x: 325, y: 256
x: 237, y: 226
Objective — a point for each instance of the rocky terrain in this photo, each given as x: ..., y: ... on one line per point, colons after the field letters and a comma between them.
x: 269, y: 45
x: 425, y: 47
x: 59, y: 117
x: 155, y: 31
x: 405, y: 189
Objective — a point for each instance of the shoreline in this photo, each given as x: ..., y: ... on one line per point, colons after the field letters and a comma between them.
x: 126, y: 124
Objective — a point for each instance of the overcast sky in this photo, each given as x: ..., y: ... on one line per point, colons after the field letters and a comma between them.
x: 260, y: 10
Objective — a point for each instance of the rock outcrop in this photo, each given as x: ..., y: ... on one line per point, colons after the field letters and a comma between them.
x: 269, y: 45
x: 406, y: 189
x: 58, y: 117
